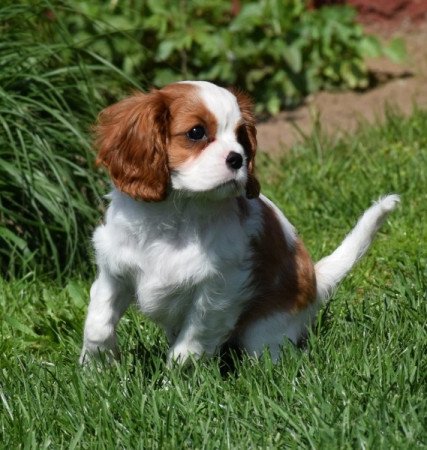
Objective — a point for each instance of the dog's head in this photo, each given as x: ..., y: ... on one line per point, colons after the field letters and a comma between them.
x: 192, y: 137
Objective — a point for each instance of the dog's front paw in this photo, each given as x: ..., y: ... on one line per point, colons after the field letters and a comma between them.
x: 184, y: 352
x: 97, y: 355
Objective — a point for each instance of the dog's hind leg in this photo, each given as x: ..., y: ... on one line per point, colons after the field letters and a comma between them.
x: 272, y: 332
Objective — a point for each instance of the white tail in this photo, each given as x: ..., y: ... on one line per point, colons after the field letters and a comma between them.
x: 333, y: 268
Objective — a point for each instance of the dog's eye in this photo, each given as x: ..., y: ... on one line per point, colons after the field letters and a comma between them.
x: 197, y: 133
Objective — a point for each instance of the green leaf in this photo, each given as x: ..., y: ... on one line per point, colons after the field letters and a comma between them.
x: 250, y: 16
x: 273, y: 105
x: 8, y: 235
x: 165, y: 50
x: 293, y: 57
x: 77, y: 294
x: 165, y: 76
x: 370, y: 47
x: 396, y: 50
x: 20, y: 326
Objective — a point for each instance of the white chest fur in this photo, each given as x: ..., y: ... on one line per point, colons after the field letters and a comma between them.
x: 173, y: 254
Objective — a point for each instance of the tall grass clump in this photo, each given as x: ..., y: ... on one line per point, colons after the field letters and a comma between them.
x: 50, y: 93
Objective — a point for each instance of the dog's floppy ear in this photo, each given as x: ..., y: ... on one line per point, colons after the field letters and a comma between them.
x: 131, y: 138
x: 246, y: 135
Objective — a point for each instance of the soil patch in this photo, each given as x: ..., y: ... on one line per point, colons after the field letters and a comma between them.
x: 400, y: 87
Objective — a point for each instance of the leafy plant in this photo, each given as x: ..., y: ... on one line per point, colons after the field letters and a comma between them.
x: 278, y: 51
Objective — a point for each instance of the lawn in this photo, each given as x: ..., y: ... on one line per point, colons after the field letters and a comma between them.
x: 361, y: 382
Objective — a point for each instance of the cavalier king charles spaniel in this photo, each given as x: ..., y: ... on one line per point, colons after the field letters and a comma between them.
x: 188, y: 235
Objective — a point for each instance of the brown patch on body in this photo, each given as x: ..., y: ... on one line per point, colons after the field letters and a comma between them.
x: 283, y: 275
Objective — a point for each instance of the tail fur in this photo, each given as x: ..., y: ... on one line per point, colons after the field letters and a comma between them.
x: 333, y: 268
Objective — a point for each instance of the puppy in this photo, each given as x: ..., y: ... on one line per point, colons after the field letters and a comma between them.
x: 189, y: 237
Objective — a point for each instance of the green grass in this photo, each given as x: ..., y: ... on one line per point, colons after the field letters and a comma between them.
x: 360, y: 384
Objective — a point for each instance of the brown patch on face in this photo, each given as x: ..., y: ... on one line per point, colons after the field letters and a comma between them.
x: 143, y: 136
x: 283, y: 277
x: 246, y: 136
x: 187, y: 111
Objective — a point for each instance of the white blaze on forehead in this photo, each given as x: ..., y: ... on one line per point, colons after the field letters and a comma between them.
x: 221, y: 102
x: 208, y: 170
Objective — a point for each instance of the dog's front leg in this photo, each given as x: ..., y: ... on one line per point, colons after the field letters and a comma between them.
x: 206, y: 327
x: 109, y: 299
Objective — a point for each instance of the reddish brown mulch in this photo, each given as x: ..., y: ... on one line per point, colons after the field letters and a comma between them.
x: 403, y: 85
x: 390, y: 14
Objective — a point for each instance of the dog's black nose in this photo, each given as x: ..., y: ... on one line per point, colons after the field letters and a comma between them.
x: 234, y: 160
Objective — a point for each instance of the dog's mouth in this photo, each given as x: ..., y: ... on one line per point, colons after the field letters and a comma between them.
x: 227, y: 189
x: 230, y: 185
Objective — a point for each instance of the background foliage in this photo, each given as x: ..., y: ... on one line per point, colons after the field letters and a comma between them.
x: 277, y: 50
x: 61, y: 62
x: 49, y: 97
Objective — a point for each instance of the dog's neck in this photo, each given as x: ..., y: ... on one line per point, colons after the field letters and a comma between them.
x: 178, y: 207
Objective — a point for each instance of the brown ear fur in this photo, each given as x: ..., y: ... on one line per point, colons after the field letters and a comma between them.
x: 247, y: 138
x: 131, y: 138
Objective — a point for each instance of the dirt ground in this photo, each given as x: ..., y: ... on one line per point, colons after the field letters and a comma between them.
x: 402, y: 86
